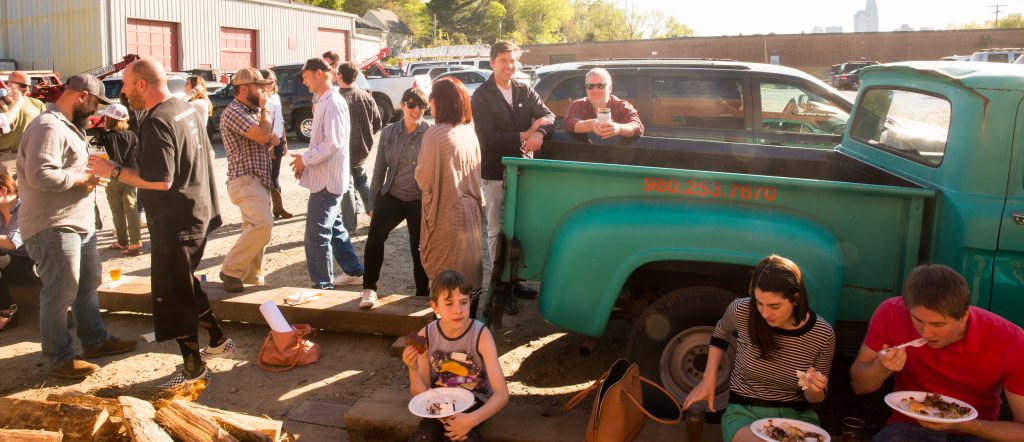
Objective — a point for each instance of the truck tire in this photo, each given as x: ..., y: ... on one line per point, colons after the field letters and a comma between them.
x: 387, y: 113
x: 855, y: 85
x: 670, y: 342
x: 303, y: 124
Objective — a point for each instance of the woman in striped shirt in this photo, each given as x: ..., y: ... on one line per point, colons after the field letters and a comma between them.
x: 776, y: 336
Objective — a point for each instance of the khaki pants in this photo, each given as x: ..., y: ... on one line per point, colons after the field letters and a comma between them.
x: 121, y: 198
x: 245, y: 260
x: 494, y: 196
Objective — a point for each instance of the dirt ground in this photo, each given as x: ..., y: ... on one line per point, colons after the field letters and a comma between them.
x: 542, y: 365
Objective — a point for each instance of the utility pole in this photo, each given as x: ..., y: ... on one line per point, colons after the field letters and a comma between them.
x: 997, y: 13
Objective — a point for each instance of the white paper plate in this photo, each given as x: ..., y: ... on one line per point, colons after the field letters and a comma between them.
x: 462, y: 398
x: 758, y: 428
x: 895, y: 401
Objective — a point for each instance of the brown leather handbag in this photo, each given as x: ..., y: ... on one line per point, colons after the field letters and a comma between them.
x: 619, y: 414
x: 284, y: 351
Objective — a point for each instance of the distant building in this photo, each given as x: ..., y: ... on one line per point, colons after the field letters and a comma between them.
x: 827, y: 30
x: 398, y: 36
x: 866, y: 20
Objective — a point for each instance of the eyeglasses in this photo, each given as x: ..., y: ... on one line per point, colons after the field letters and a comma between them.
x: 415, y: 105
x: 19, y: 85
x: 596, y: 85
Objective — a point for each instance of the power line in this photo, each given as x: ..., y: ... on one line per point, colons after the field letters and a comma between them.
x: 997, y: 13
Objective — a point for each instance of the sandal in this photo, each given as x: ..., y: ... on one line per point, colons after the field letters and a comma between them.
x: 117, y: 246
x: 132, y: 251
x: 9, y: 320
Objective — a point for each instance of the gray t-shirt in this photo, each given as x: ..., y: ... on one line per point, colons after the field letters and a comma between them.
x: 455, y: 361
x: 52, y: 151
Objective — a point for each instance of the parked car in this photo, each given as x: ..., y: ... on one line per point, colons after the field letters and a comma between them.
x: 840, y: 73
x: 387, y: 93
x: 956, y: 58
x: 113, y: 86
x: 434, y: 71
x: 470, y: 63
x: 473, y: 78
x: 36, y: 77
x: 296, y: 101
x: 853, y: 80
x: 711, y: 100
x: 997, y: 55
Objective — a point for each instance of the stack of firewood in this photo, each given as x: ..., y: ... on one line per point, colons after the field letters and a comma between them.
x: 159, y: 415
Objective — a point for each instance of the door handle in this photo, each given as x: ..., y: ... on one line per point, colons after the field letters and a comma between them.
x: 1018, y: 216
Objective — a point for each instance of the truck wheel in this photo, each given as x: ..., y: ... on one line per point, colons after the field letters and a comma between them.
x: 855, y: 85
x: 303, y: 125
x: 670, y: 342
x: 387, y: 113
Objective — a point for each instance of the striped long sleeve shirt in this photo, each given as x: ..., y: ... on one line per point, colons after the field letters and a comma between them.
x: 327, y: 159
x: 812, y: 345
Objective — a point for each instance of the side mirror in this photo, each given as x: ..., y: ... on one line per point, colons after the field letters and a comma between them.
x: 802, y: 100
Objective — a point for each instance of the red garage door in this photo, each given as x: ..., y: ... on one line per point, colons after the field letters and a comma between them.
x: 332, y: 40
x: 237, y: 48
x: 155, y: 39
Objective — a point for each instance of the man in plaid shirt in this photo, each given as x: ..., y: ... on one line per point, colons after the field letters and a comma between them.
x: 247, y: 129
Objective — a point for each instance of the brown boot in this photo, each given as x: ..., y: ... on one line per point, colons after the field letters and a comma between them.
x: 112, y: 346
x: 279, y: 212
x: 76, y: 368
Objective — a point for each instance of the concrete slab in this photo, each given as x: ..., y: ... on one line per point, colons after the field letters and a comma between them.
x: 331, y: 414
x: 314, y: 433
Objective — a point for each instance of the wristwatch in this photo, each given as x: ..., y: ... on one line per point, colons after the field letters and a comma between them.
x: 115, y: 173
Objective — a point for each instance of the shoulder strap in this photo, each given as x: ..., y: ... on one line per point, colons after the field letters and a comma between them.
x: 575, y: 400
x: 638, y: 405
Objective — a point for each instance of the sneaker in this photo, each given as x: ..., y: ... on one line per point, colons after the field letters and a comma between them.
x: 225, y: 349
x: 76, y: 368
x: 346, y: 279
x: 231, y: 284
x: 112, y: 346
x: 180, y: 378
x: 367, y: 298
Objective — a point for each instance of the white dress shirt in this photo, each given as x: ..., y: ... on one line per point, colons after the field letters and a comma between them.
x: 326, y: 161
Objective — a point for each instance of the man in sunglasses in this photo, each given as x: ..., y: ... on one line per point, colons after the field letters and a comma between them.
x: 22, y: 110
x: 584, y: 115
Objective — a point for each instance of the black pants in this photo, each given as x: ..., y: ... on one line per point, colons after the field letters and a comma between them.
x: 388, y: 212
x: 178, y: 299
x: 20, y: 272
x: 432, y: 430
x: 275, y: 162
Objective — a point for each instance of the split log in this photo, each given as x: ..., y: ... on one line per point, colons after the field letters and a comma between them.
x: 79, y: 398
x: 160, y: 397
x: 138, y: 421
x: 7, y: 435
x: 189, y: 425
x: 245, y: 427
x: 77, y: 422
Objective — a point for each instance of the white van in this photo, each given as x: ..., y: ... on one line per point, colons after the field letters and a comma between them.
x: 471, y: 63
x: 997, y: 55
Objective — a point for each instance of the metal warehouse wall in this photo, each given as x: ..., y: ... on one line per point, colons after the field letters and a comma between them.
x: 72, y: 36
x: 813, y: 53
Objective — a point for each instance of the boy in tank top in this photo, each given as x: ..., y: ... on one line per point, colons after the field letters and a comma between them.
x: 460, y: 353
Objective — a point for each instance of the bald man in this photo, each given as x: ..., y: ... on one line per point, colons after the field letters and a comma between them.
x: 23, y: 110
x: 176, y: 185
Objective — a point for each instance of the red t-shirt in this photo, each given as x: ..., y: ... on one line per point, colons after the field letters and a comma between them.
x: 974, y: 369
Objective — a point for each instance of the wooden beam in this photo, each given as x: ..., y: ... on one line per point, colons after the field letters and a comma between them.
x: 189, y: 425
x: 393, y: 315
x: 77, y: 422
x: 7, y: 435
x: 160, y: 397
x: 243, y: 426
x: 139, y: 421
x: 79, y: 398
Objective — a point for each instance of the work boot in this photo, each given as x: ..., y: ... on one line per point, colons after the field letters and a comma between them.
x: 522, y: 291
x: 75, y: 368
x: 112, y: 346
x: 231, y: 284
x: 279, y: 212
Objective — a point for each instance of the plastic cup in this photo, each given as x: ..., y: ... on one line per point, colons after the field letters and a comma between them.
x: 604, y: 115
x: 694, y: 423
x: 853, y: 429
x: 115, y: 274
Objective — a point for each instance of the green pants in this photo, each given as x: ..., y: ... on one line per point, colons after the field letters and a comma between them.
x: 121, y: 198
x: 738, y: 416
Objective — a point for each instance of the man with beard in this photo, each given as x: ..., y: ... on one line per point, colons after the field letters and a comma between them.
x: 57, y: 226
x: 247, y: 128
x: 175, y: 181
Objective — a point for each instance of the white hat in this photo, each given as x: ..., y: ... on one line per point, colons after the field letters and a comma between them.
x: 116, y: 111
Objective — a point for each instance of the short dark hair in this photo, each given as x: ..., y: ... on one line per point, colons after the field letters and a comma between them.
x: 502, y: 47
x: 348, y: 72
x: 115, y: 125
x: 451, y: 102
x: 937, y: 288
x: 447, y: 282
x: 416, y: 94
x: 775, y: 274
x: 332, y: 55
x: 315, y: 64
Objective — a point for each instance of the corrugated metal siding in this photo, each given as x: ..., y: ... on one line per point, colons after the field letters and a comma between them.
x: 201, y: 20
x: 365, y: 46
x: 63, y: 35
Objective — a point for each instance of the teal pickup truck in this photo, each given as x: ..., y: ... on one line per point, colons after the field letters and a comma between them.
x: 664, y: 232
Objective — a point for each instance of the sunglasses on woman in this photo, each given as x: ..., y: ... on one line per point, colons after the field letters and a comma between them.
x: 414, y: 105
x: 596, y: 85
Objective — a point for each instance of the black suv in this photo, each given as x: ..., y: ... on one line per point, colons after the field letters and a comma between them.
x: 296, y: 100
x: 840, y: 75
x: 711, y: 100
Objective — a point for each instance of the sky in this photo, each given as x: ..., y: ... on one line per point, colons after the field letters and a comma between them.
x: 733, y: 17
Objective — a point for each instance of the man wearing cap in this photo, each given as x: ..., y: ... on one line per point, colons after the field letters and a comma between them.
x: 247, y: 128
x: 175, y: 181
x: 58, y: 228
x: 23, y: 110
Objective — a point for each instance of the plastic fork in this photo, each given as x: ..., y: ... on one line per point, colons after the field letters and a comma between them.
x: 915, y: 343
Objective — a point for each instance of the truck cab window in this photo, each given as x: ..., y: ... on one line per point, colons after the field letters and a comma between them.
x: 908, y: 123
x: 788, y: 108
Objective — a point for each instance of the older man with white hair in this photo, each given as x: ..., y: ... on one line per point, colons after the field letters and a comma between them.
x: 585, y: 115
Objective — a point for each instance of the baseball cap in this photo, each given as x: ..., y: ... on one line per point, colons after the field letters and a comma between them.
x: 90, y: 84
x: 248, y: 76
x: 116, y: 111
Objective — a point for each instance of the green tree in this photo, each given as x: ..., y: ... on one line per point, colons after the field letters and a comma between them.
x: 539, y: 21
x: 594, y: 20
x: 662, y: 27
x: 334, y: 5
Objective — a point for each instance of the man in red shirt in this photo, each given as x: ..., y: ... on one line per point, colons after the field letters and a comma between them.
x: 582, y: 115
x: 972, y: 355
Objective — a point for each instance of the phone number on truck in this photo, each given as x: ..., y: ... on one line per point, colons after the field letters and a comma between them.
x: 710, y: 189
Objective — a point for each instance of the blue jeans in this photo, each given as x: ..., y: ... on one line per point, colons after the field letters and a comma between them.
x: 349, y: 204
x: 327, y: 237
x: 906, y: 432
x: 69, y: 267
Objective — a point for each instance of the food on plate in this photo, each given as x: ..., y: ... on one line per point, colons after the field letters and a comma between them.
x: 801, y: 377
x: 785, y: 432
x: 445, y: 406
x: 933, y: 405
x: 416, y: 341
